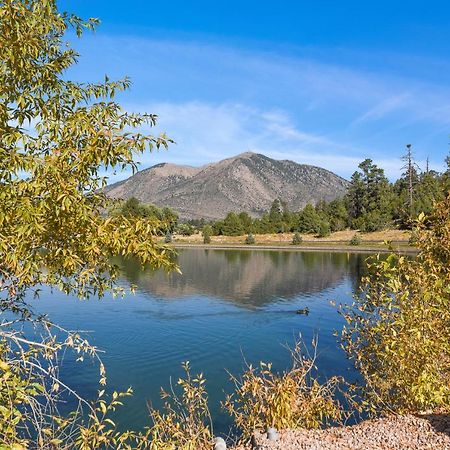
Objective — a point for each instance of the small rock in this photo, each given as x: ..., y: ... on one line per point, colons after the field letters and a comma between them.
x: 219, y: 444
x: 272, y: 434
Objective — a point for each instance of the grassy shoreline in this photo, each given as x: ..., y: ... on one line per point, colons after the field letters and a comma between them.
x: 336, y: 242
x: 301, y: 248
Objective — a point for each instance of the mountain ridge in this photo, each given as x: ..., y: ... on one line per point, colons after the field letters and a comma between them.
x: 245, y: 182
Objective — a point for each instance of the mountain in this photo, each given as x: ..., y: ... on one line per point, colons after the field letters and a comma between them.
x: 247, y: 182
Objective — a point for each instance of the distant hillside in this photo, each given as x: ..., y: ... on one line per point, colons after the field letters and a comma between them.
x: 247, y: 182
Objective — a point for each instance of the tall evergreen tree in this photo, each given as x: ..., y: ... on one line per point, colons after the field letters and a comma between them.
x: 246, y: 221
x: 370, y: 198
x: 446, y: 177
x: 276, y: 217
x: 355, y: 196
x: 232, y: 226
x: 337, y: 214
x: 308, y: 220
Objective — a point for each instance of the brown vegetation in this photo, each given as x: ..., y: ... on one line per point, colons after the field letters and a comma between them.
x: 338, y: 238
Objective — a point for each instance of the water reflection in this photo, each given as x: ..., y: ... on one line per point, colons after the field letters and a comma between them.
x: 226, y: 306
x: 248, y: 278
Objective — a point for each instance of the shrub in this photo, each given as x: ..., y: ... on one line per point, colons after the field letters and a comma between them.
x: 398, y: 333
x: 31, y: 393
x: 297, y: 239
x: 324, y: 229
x: 250, y: 239
x: 185, y: 423
x: 355, y: 240
x: 207, y: 231
x: 292, y: 399
x: 168, y: 239
x: 359, y: 224
x: 185, y: 229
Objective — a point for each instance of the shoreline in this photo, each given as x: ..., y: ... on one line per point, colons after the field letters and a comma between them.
x: 299, y: 248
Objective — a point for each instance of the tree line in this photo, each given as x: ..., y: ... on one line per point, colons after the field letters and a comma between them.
x: 372, y: 203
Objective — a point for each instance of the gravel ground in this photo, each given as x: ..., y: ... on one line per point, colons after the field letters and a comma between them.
x: 391, y: 433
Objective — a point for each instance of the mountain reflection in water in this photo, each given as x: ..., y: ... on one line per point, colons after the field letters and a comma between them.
x: 226, y: 306
x: 248, y: 278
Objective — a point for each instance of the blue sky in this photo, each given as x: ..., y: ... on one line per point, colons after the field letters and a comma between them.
x: 327, y: 83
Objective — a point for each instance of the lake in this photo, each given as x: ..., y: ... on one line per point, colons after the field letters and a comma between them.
x: 227, y: 306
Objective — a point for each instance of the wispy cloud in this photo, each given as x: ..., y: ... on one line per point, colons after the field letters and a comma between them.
x: 384, y: 108
x: 216, y: 101
x: 206, y: 132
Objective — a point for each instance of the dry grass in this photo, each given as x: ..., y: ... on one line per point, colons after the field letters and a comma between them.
x: 341, y: 237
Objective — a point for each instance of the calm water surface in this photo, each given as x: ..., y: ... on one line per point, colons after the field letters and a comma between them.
x: 226, y: 306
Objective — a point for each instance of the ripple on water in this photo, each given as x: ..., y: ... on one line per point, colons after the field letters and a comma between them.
x: 236, y: 310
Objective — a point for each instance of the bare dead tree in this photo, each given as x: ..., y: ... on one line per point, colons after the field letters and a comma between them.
x: 411, y: 168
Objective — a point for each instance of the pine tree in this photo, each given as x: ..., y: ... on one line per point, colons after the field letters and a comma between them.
x: 232, y: 226
x: 246, y: 221
x: 277, y: 224
x: 355, y: 196
x: 370, y: 198
x: 308, y: 220
x: 411, y: 178
x: 337, y: 215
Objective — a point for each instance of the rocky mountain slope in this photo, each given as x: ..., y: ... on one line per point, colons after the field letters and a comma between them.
x: 247, y: 182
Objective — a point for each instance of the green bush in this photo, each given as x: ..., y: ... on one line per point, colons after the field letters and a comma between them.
x: 168, y: 239
x: 185, y: 229
x: 207, y: 232
x: 297, y: 239
x: 355, y: 240
x: 324, y: 229
x: 250, y: 239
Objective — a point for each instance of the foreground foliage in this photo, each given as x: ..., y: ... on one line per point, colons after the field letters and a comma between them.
x: 292, y: 399
x: 55, y: 137
x: 398, y: 330
x: 185, y: 423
